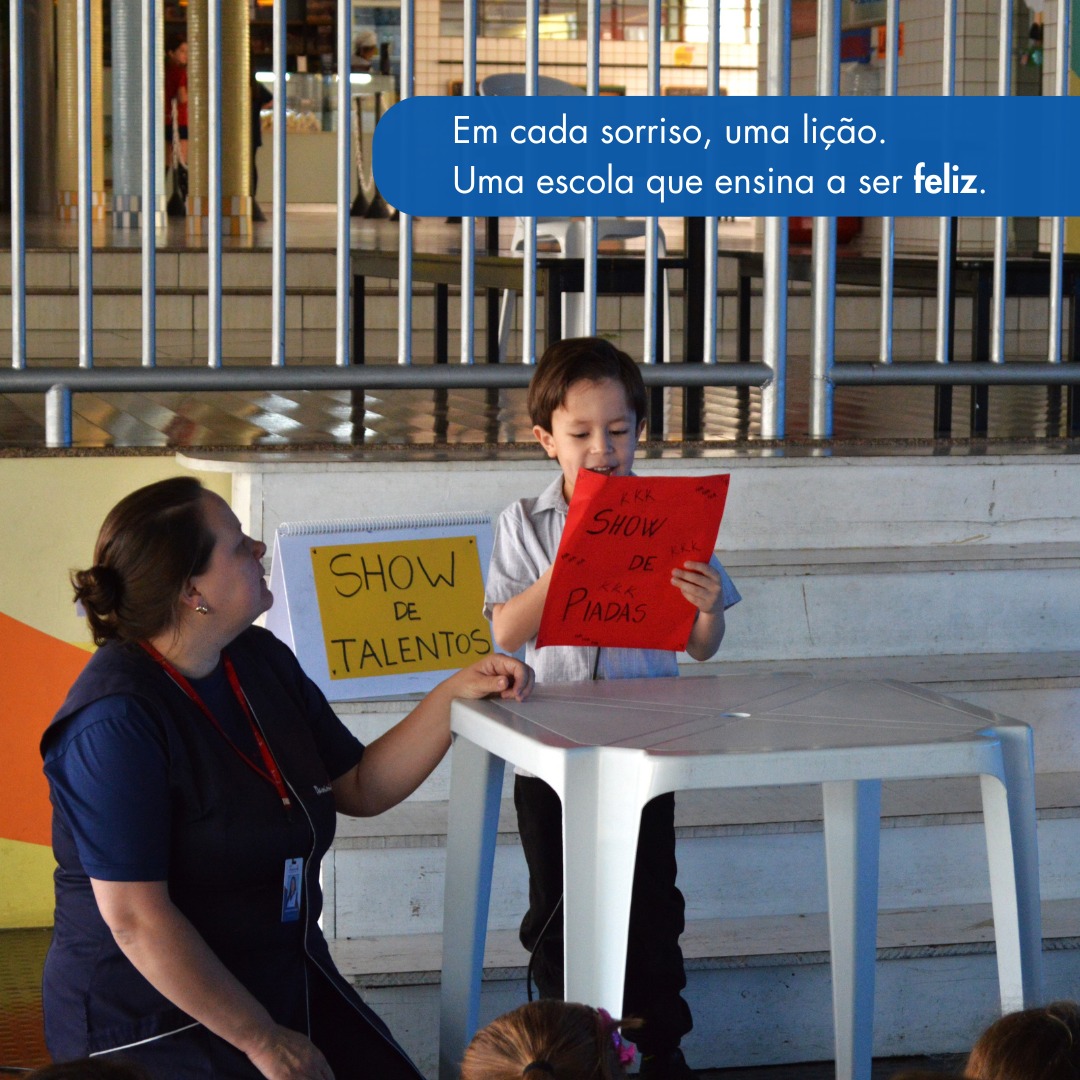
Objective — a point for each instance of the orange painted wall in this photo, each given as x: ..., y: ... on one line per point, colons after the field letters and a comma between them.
x: 50, y: 511
x: 37, y: 671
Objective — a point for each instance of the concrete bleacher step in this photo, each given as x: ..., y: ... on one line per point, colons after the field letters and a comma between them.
x: 756, y: 941
x: 774, y: 1007
x: 887, y: 601
x: 741, y: 854
x: 750, y: 941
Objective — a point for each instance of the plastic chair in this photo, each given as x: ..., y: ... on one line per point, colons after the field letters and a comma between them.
x: 567, y: 233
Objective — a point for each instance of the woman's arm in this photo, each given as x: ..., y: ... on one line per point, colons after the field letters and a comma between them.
x: 173, y: 957
x: 400, y: 760
x: 518, y: 620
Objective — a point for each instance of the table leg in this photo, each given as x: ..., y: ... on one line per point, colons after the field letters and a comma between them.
x: 358, y: 298
x: 694, y: 324
x: 852, y: 827
x: 1013, y: 854
x: 1072, y: 413
x: 442, y: 323
x: 475, y: 792
x: 493, y: 296
x: 980, y: 349
x: 742, y: 318
x: 601, y: 821
x: 553, y: 324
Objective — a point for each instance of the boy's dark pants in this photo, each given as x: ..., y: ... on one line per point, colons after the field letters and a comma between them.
x: 654, y: 962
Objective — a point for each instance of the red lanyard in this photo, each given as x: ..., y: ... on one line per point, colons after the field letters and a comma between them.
x: 271, y: 773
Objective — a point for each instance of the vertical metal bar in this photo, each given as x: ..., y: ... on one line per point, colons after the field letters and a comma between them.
x: 18, y: 191
x: 280, y: 189
x: 85, y: 150
x: 775, y: 265
x: 528, y: 283
x: 712, y: 85
x: 343, y: 265
x: 823, y: 252
x: 592, y: 88
x: 213, y: 169
x: 945, y: 225
x: 468, y: 224
x: 1001, y: 224
x: 149, y: 182
x: 1057, y: 224
x: 888, y: 229
x: 650, y: 345
x: 405, y: 230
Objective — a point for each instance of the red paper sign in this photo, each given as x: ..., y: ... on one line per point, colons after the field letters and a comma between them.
x: 624, y: 535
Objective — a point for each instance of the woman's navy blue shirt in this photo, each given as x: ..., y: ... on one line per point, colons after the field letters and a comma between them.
x: 144, y: 788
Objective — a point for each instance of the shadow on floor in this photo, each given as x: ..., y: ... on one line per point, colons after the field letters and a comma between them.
x: 884, y: 1068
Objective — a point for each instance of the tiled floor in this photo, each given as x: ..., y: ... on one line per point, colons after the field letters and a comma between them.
x: 22, y: 954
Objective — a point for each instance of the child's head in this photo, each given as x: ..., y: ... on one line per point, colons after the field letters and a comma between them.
x: 588, y: 359
x: 176, y: 48
x: 587, y: 401
x: 1036, y: 1044
x: 548, y: 1040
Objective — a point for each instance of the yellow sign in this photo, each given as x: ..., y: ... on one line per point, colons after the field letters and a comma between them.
x: 401, y: 606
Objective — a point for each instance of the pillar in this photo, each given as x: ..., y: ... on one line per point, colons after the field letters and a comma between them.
x: 39, y: 104
x: 127, y: 159
x: 235, y: 118
x: 67, y: 111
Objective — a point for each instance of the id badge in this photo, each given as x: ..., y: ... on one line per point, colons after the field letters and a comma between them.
x: 292, y: 890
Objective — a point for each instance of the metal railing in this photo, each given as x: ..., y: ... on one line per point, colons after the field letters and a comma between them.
x: 769, y: 373
x: 941, y: 373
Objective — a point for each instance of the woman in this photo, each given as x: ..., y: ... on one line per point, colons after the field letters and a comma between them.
x: 195, y: 772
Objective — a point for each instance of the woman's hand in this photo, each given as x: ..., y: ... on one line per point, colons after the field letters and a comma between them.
x: 288, y: 1055
x: 495, y: 674
x: 399, y: 760
x: 174, y: 958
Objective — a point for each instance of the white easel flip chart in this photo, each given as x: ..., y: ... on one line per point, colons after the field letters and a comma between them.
x: 382, y: 607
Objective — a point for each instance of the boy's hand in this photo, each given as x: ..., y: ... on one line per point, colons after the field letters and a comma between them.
x: 700, y: 583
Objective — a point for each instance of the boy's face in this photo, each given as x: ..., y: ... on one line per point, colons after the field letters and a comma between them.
x: 594, y: 428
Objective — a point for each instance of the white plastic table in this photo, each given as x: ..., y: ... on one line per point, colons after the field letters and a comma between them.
x: 608, y: 748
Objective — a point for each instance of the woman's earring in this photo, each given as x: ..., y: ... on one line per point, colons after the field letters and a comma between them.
x: 201, y: 608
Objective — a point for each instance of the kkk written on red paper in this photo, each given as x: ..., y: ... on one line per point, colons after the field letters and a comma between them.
x: 624, y: 535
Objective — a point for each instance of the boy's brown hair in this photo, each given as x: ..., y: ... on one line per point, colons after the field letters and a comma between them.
x: 588, y: 359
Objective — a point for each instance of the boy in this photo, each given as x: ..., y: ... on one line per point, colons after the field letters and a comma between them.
x: 587, y: 401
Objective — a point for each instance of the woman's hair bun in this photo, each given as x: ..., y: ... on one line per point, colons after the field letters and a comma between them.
x: 150, y: 544
x: 99, y: 589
